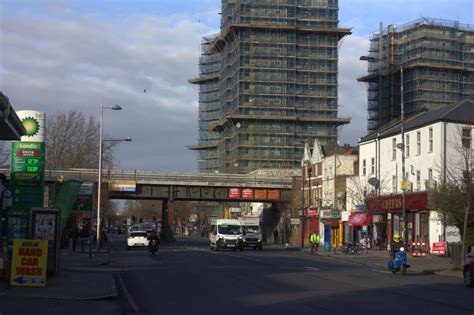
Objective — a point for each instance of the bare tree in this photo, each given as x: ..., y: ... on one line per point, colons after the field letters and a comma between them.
x: 359, y: 190
x: 454, y: 197
x: 73, y: 142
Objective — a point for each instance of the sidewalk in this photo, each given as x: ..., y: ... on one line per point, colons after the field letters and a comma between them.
x: 77, y: 280
x: 436, y: 265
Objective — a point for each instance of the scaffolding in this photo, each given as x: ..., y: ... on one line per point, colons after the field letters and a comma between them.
x: 276, y: 84
x: 437, y: 57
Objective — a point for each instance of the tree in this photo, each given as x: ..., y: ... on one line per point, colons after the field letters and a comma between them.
x: 454, y: 196
x: 73, y: 142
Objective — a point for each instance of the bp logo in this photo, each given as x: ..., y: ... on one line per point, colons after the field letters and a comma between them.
x: 31, y: 125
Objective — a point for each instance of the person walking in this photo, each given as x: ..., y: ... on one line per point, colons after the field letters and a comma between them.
x: 83, y: 236
x: 314, y: 240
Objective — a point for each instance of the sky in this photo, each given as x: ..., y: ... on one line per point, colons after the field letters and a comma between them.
x: 59, y: 56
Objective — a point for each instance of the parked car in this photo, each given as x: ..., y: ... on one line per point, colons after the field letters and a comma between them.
x: 468, y: 270
x: 137, y: 239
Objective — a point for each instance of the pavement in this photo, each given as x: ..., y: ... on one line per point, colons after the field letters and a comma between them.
x: 436, y: 265
x: 77, y: 280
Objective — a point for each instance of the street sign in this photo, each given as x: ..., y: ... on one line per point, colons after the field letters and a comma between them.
x: 29, y: 263
x: 405, y: 185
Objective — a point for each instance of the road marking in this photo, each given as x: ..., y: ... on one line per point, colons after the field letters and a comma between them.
x: 381, y: 271
x: 129, y: 297
x: 312, y: 268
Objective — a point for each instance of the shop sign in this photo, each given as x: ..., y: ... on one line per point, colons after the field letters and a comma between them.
x: 235, y: 210
x: 29, y: 263
x: 247, y: 193
x: 439, y: 248
x: 330, y: 214
x: 234, y: 193
x: 312, y: 212
x: 393, y: 203
x: 294, y: 221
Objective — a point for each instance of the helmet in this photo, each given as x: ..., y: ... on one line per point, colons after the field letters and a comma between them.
x: 396, y: 237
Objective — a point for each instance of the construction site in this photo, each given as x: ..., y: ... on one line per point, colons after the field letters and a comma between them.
x: 268, y: 84
x: 436, y: 58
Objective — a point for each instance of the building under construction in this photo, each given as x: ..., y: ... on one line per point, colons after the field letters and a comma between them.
x: 268, y: 84
x: 437, y: 61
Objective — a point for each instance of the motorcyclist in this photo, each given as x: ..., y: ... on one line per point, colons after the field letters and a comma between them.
x: 153, y: 236
x: 396, y: 244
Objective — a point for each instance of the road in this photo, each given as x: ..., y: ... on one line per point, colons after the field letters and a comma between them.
x: 187, y: 278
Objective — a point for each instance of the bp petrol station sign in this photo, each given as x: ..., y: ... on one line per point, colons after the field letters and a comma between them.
x: 26, y: 174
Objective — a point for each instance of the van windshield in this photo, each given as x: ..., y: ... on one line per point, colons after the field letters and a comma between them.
x: 230, y: 229
x: 252, y: 229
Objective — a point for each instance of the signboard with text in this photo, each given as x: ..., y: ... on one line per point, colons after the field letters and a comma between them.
x: 439, y: 248
x: 260, y: 194
x: 247, y: 193
x: 122, y: 185
x: 29, y: 263
x: 273, y: 194
x: 234, y: 193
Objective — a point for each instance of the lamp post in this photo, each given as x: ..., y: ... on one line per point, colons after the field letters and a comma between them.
x: 304, y: 166
x: 402, y: 118
x: 99, y: 188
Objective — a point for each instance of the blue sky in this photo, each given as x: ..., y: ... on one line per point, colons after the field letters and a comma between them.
x: 66, y: 55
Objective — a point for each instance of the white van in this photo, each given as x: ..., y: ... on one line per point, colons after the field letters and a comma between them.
x: 252, y: 232
x: 226, y: 233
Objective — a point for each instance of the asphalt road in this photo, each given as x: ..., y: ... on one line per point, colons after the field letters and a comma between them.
x: 187, y: 278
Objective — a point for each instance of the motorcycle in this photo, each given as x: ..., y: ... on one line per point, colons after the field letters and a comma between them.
x: 399, y: 263
x: 153, y: 246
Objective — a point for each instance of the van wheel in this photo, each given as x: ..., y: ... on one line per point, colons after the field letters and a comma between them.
x: 217, y: 247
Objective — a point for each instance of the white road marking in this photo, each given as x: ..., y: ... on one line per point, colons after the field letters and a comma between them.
x: 312, y: 268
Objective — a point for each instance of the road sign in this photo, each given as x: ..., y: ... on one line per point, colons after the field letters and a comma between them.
x: 405, y: 185
x: 29, y: 263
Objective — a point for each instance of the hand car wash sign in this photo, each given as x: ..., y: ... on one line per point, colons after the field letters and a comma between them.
x: 29, y: 263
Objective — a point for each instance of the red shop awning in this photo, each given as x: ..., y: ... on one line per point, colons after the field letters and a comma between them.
x: 359, y: 219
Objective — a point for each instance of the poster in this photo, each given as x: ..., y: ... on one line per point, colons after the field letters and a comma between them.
x: 45, y: 226
x: 29, y: 263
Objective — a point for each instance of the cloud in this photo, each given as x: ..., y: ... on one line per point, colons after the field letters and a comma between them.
x: 352, y: 94
x: 55, y: 61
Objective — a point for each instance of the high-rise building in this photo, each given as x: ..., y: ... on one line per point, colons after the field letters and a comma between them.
x: 436, y: 58
x: 268, y: 84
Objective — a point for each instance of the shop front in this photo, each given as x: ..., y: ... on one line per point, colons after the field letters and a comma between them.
x: 312, y: 215
x: 387, y: 218
x: 333, y: 232
x: 361, y: 225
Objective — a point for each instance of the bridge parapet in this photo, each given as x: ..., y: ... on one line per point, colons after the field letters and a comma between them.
x: 171, y: 179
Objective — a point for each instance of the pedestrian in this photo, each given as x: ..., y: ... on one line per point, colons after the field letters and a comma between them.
x: 83, y: 236
x: 74, y: 236
x: 314, y: 240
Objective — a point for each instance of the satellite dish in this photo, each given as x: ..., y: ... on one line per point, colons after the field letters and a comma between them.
x: 400, y: 146
x: 374, y: 182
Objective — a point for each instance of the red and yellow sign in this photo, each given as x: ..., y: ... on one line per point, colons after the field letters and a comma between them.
x: 234, y: 193
x: 29, y: 263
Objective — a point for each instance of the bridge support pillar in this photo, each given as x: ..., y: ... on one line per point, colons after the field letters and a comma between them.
x: 166, y: 223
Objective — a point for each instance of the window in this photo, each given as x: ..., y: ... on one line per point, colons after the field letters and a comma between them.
x: 418, y: 143
x: 394, y: 149
x: 466, y: 137
x: 394, y: 184
x: 430, y: 140
x: 364, y: 167
x: 418, y: 180
x: 407, y: 146
x: 372, y: 167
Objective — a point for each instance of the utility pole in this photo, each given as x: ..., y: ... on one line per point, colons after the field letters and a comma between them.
x: 402, y: 117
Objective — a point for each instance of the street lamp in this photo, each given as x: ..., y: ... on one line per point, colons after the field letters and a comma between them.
x: 401, y: 146
x: 302, y: 218
x: 99, y: 188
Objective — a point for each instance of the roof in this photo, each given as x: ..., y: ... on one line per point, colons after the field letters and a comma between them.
x: 460, y: 113
x: 11, y: 127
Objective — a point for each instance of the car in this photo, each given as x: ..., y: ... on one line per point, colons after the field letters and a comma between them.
x: 468, y: 270
x: 137, y: 239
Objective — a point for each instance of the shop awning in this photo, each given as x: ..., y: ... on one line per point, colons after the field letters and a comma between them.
x: 360, y: 219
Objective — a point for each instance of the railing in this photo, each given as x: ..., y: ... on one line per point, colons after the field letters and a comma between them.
x: 147, y: 177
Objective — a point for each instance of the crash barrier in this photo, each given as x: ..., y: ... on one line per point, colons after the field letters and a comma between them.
x: 420, y: 249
